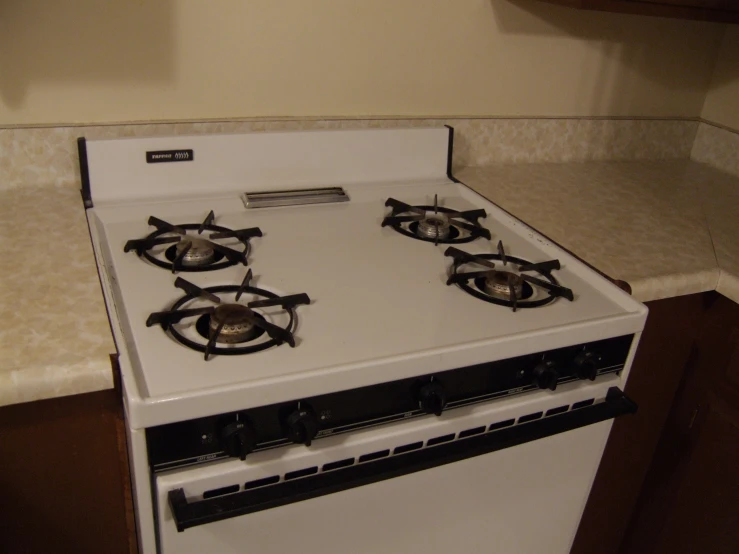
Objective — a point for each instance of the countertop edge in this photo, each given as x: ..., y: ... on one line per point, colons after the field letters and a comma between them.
x: 27, y: 384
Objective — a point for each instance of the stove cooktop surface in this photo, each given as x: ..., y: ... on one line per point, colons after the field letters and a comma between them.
x: 375, y: 294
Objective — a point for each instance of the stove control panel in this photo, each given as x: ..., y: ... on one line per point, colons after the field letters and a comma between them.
x: 303, y: 421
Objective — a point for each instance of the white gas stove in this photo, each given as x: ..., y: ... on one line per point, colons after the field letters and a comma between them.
x: 340, y: 289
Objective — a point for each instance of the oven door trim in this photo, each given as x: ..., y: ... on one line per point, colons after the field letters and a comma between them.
x: 189, y: 514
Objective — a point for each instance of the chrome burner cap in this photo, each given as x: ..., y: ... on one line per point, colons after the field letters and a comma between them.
x: 496, y: 285
x: 200, y: 253
x: 433, y: 226
x: 236, y: 320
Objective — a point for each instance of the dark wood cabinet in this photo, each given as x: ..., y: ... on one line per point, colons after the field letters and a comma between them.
x: 669, y: 479
x: 664, y: 350
x: 690, y: 498
x: 64, y: 480
x: 726, y: 11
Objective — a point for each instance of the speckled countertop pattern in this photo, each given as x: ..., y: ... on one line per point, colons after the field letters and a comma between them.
x: 667, y: 228
x: 55, y: 339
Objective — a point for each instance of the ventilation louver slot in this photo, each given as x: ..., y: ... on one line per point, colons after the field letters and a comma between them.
x: 221, y: 491
x: 583, y: 403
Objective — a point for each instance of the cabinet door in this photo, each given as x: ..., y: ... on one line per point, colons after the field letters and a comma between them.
x: 690, y: 498
x: 705, y: 510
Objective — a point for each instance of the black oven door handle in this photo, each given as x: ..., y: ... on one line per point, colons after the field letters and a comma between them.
x: 193, y: 513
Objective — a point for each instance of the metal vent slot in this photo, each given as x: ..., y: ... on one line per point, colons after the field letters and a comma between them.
x: 261, y: 482
x: 501, y: 424
x: 583, y: 403
x: 374, y: 456
x: 408, y: 448
x: 295, y: 197
x: 439, y: 440
x: 301, y: 473
x: 221, y: 491
x: 338, y: 465
x: 471, y: 432
x: 530, y: 417
x: 558, y: 410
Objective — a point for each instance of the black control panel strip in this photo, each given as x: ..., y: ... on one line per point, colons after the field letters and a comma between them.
x: 191, y: 514
x: 301, y: 421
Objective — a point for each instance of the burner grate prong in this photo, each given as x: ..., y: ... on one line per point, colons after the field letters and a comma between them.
x: 195, y: 290
x: 177, y: 262
x: 165, y: 319
x: 140, y: 245
x: 398, y: 219
x: 277, y: 333
x: 456, y: 278
x: 286, y: 302
x: 554, y: 290
x: 501, y: 253
x: 400, y: 207
x: 244, y: 284
x: 473, y: 228
x: 464, y: 257
x: 164, y: 226
x: 241, y: 234
x: 206, y: 222
x: 512, y: 293
x: 212, y: 340
x: 541, y: 267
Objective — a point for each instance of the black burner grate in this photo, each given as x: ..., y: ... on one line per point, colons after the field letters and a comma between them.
x: 184, y: 244
x: 451, y: 227
x: 211, y: 333
x: 528, y: 283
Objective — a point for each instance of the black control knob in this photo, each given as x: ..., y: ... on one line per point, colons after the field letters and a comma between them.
x: 238, y: 438
x: 586, y: 365
x: 432, y: 398
x: 546, y: 375
x: 301, y: 425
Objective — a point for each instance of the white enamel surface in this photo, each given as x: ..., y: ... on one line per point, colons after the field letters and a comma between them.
x: 264, y: 161
x: 379, y: 301
x: 525, y: 499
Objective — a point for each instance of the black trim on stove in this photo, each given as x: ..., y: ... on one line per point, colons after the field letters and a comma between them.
x: 187, y: 514
x: 449, y: 154
x: 84, y: 172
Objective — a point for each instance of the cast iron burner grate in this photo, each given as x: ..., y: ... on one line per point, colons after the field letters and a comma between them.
x: 510, y: 286
x: 231, y: 328
x: 190, y: 251
x: 435, y: 223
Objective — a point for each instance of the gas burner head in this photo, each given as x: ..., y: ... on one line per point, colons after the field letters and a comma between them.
x: 433, y: 226
x: 198, y: 254
x: 235, y: 322
x: 513, y: 287
x: 436, y: 224
x: 227, y: 321
x: 185, y: 248
x: 499, y: 284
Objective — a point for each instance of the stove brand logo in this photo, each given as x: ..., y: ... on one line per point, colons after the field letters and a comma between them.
x: 162, y: 156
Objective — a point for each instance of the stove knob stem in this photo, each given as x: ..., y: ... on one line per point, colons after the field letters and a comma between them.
x: 586, y: 365
x: 432, y: 398
x: 546, y: 375
x: 238, y: 438
x: 302, y: 426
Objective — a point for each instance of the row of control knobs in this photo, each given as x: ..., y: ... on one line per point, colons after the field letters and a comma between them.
x: 239, y: 437
x: 432, y: 396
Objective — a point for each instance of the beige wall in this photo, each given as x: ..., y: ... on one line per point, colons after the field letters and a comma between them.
x: 722, y: 100
x: 129, y: 60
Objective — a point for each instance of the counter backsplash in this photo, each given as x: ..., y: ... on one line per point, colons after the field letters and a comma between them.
x: 48, y: 155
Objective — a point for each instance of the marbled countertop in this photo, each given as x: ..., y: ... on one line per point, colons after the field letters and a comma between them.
x: 667, y: 228
x: 55, y: 339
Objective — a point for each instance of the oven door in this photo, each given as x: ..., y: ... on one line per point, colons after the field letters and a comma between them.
x: 510, y: 477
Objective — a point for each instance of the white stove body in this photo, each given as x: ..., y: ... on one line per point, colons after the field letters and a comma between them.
x: 380, y: 312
